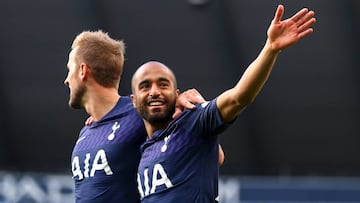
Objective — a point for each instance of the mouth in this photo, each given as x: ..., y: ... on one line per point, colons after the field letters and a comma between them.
x: 156, y: 103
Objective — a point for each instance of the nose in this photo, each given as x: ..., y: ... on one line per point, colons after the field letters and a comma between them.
x: 154, y: 91
x: 66, y: 82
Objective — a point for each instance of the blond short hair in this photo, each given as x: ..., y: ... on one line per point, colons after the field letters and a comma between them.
x: 104, y: 56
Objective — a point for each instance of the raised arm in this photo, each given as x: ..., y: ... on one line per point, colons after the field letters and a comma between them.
x: 281, y: 34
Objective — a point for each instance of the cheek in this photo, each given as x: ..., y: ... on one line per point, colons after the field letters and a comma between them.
x: 173, y: 96
x: 72, y: 77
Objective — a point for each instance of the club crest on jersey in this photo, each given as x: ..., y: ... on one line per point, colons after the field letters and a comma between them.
x: 114, y: 129
x: 166, y: 141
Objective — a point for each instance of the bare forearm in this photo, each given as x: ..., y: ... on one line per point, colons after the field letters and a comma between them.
x: 233, y: 101
x: 255, y: 75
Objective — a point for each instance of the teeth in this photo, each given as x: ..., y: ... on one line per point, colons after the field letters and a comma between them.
x: 155, y: 103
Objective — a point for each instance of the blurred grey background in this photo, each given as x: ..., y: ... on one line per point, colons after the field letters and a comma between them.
x: 304, y: 122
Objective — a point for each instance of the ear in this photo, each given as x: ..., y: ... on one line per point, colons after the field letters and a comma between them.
x: 133, y: 99
x: 84, y: 71
x: 177, y: 92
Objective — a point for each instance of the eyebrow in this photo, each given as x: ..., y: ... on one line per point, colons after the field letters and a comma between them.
x: 143, y: 82
x: 161, y: 79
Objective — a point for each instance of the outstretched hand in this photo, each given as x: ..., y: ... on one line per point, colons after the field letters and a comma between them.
x: 282, y: 34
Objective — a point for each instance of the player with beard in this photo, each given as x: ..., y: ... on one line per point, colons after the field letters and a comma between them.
x: 179, y: 158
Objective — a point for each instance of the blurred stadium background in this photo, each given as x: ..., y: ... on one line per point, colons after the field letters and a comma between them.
x: 298, y: 142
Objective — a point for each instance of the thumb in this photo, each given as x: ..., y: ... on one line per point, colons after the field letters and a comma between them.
x: 278, y: 14
x: 177, y: 112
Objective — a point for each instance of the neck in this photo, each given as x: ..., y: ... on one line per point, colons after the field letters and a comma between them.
x: 101, y: 102
x: 151, y: 128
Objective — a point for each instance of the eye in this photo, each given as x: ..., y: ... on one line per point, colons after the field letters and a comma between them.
x: 164, y: 84
x: 144, y: 85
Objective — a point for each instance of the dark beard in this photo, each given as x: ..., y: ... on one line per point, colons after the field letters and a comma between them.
x: 76, y: 100
x: 159, y: 118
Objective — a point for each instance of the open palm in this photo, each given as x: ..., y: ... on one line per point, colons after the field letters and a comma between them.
x: 282, y: 34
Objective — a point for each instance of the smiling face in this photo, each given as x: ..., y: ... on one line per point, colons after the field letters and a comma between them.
x: 73, y: 81
x: 154, y: 93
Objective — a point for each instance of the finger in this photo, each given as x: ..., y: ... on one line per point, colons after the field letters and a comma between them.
x: 198, y: 96
x: 306, y: 18
x: 306, y: 27
x: 197, y: 99
x: 177, y: 113
x: 299, y: 15
x: 89, y: 121
x: 306, y: 33
x: 194, y: 96
x: 279, y: 13
x: 200, y: 99
x: 193, y: 92
x: 221, y: 156
x: 188, y: 105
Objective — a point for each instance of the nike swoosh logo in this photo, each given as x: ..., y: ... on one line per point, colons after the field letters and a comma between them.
x: 80, y: 139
